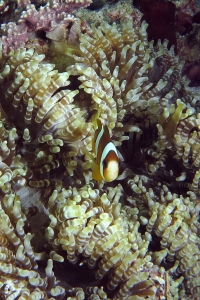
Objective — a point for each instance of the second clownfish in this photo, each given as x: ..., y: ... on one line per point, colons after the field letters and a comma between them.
x: 106, y: 166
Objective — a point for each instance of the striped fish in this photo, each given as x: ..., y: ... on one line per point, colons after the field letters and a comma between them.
x: 106, y: 166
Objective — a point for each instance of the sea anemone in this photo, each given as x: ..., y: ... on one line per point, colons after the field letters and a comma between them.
x: 65, y: 236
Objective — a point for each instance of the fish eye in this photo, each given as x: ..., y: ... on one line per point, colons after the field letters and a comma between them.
x: 105, y: 164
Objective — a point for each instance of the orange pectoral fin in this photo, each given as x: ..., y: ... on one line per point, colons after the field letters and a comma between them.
x: 96, y: 172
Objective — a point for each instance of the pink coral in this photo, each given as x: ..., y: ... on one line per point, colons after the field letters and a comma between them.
x: 47, y: 19
x: 15, y: 37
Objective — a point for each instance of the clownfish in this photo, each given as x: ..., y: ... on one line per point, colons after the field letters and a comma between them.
x: 106, y: 165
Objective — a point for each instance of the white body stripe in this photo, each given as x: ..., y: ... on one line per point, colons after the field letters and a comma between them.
x: 98, y: 140
x: 110, y: 146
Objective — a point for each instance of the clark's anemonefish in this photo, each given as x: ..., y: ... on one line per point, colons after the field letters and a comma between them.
x: 106, y: 166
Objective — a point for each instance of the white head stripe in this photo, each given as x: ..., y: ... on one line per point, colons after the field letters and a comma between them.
x: 98, y: 140
x: 109, y: 147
